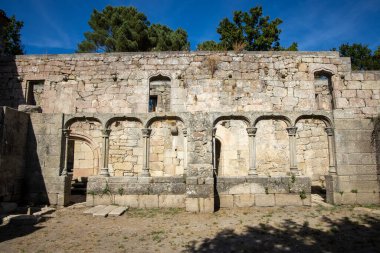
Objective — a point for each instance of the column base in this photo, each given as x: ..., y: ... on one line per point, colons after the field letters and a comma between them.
x: 252, y: 173
x: 294, y: 171
x: 104, y: 172
x: 332, y: 170
x: 145, y: 173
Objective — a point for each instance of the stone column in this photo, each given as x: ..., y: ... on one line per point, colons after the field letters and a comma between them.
x: 184, y: 131
x: 331, y: 143
x: 66, y: 133
x: 252, y: 151
x: 213, y: 151
x: 146, y: 135
x: 292, y: 150
x: 106, y: 138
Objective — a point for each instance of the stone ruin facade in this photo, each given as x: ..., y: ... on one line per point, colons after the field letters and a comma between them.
x: 194, y: 130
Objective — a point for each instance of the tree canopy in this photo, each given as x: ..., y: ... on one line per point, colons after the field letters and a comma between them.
x: 10, y: 39
x: 250, y: 30
x: 125, y: 29
x: 362, y: 57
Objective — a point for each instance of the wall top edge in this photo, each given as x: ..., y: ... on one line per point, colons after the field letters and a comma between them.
x: 177, y: 53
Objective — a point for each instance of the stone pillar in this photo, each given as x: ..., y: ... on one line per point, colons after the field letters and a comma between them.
x: 146, y: 135
x: 252, y: 151
x: 292, y: 150
x: 184, y: 131
x: 66, y: 133
x: 331, y: 143
x: 213, y: 151
x: 106, y: 138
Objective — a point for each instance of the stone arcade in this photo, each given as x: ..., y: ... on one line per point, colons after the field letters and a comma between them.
x: 196, y: 130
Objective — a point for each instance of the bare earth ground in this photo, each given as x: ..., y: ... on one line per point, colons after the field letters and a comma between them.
x: 286, y: 229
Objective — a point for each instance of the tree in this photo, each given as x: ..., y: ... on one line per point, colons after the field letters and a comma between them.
x: 361, y: 56
x: 210, y: 45
x: 10, y: 39
x: 162, y: 38
x: 124, y: 29
x: 251, y: 28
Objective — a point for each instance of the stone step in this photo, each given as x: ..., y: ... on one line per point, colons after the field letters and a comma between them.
x: 94, y: 209
x: 105, y: 211
x: 118, y: 211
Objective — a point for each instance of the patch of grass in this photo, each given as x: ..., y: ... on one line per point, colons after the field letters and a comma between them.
x: 158, y: 236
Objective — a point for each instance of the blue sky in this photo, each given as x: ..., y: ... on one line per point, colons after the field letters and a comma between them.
x: 57, y: 26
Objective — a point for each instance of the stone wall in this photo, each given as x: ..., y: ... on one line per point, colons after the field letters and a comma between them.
x: 13, y: 140
x: 44, y: 182
x: 274, y: 113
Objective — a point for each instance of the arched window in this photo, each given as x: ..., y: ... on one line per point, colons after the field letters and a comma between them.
x: 159, y: 94
x: 323, y: 90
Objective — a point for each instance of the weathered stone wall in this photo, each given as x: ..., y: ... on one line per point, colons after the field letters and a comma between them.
x: 13, y: 139
x: 258, y: 81
x: 275, y: 92
x: 312, y: 150
x: 44, y: 161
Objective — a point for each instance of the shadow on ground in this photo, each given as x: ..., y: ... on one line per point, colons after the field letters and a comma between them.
x: 342, y: 235
x: 10, y: 231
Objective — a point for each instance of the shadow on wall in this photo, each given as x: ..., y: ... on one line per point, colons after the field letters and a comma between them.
x: 11, y: 92
x: 344, y: 235
x: 34, y: 185
x: 376, y: 144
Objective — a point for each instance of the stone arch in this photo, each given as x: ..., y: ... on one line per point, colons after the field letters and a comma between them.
x: 283, y: 118
x: 273, y: 145
x: 323, y: 86
x: 234, y: 154
x: 232, y: 117
x: 323, y: 118
x: 125, y: 156
x: 151, y: 120
x: 121, y: 118
x: 159, y: 93
x: 71, y: 121
x: 167, y: 149
x: 82, y: 157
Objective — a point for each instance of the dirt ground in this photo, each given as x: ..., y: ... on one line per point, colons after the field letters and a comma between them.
x: 280, y: 229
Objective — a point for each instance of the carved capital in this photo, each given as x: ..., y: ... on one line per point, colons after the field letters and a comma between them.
x: 291, y: 131
x: 329, y: 131
x: 106, y: 133
x: 184, y: 131
x: 66, y: 132
x: 146, y: 132
x: 251, y: 131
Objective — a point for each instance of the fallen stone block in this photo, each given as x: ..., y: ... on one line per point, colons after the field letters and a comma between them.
x: 118, y: 211
x: 94, y: 209
x: 105, y: 211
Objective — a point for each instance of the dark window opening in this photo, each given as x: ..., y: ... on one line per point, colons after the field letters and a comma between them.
x: 34, y: 92
x: 152, y: 103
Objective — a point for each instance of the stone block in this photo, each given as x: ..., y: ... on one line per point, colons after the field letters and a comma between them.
x: 171, y: 201
x: 349, y: 198
x: 131, y: 201
x: 367, y: 198
x: 192, y: 205
x: 148, y: 201
x: 288, y: 200
x: 206, y: 205
x: 244, y: 200
x: 264, y: 200
x: 226, y: 201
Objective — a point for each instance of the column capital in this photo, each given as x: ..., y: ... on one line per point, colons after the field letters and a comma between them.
x: 251, y: 131
x: 66, y: 132
x: 184, y: 131
x: 146, y: 132
x: 291, y: 131
x: 106, y: 132
x: 329, y: 131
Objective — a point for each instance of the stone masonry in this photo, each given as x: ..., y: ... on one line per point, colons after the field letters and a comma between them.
x: 196, y: 130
